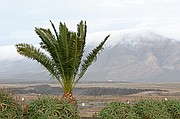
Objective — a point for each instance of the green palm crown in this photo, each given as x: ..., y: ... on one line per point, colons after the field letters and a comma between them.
x: 64, y: 57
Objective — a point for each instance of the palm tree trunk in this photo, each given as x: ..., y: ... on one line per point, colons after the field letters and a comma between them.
x: 69, y: 98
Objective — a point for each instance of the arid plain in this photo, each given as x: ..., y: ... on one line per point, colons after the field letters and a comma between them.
x: 92, y: 96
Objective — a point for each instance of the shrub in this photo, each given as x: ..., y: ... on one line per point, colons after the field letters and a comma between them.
x: 51, y: 108
x: 151, y: 109
x: 9, y: 108
x: 117, y: 110
x: 173, y: 108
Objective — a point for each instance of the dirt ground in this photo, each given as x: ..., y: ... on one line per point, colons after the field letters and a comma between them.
x: 94, y: 104
x: 91, y: 105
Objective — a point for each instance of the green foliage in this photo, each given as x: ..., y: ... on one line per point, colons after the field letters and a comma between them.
x: 118, y: 110
x: 9, y: 108
x: 143, y: 109
x: 51, y: 108
x: 173, y: 107
x: 65, y: 52
x: 151, y: 109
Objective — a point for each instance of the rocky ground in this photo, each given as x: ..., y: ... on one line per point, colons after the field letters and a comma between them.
x: 89, y: 91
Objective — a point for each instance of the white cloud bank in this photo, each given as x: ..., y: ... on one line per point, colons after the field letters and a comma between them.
x: 129, y: 35
x: 9, y: 53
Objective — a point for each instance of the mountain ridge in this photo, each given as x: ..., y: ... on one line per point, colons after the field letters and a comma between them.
x: 134, y: 57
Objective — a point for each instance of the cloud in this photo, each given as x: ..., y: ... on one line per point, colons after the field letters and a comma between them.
x: 19, y: 18
x: 9, y: 53
x: 116, y: 3
x: 168, y: 27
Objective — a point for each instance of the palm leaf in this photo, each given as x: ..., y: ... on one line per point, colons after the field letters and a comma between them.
x: 35, y: 54
x: 89, y: 59
x: 49, y: 43
x: 57, y: 36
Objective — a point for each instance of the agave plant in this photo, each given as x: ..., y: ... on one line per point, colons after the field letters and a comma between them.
x: 64, y: 57
x: 9, y: 108
x: 118, y: 110
x: 173, y: 108
x: 151, y: 109
x: 51, y: 108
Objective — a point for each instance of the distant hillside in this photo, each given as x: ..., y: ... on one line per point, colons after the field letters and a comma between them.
x: 142, y: 56
x: 138, y: 57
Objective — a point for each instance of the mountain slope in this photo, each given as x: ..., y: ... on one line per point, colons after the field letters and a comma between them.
x: 23, y: 70
x: 142, y: 56
x: 145, y: 57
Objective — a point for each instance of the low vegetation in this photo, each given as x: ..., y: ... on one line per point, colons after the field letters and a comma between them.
x: 54, y: 108
x: 41, y: 108
x: 51, y: 108
x: 173, y: 108
x: 151, y: 109
x: 143, y: 109
x: 82, y: 91
x: 118, y: 110
x: 9, y: 108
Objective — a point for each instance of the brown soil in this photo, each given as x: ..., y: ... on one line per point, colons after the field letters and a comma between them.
x: 90, y: 105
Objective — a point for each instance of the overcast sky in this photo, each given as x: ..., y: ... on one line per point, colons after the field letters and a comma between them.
x: 18, y: 18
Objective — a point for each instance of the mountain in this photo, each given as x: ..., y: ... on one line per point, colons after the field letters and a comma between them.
x: 22, y: 71
x: 141, y: 56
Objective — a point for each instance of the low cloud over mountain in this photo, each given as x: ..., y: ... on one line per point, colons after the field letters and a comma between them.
x: 141, y: 56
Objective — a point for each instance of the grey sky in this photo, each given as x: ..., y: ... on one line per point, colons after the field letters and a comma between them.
x: 18, y: 18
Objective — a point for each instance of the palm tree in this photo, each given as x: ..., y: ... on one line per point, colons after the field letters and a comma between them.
x: 64, y: 55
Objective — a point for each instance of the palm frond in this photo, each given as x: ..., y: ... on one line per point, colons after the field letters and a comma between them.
x: 64, y: 35
x: 35, y: 54
x: 81, y: 40
x: 89, y: 59
x: 57, y: 36
x: 49, y: 43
